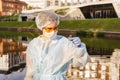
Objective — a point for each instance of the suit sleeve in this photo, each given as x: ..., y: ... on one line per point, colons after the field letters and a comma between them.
x: 82, y: 56
x: 79, y: 54
x: 29, y: 64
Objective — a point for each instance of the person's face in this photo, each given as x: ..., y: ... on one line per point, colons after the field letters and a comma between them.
x: 50, y: 31
x: 51, y: 27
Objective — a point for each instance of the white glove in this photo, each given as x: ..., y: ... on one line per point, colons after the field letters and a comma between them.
x: 75, y: 40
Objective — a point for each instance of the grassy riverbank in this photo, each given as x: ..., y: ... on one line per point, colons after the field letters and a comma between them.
x: 85, y: 25
x: 89, y: 24
x: 9, y: 34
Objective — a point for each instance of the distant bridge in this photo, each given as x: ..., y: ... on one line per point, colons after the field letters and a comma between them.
x: 90, y: 9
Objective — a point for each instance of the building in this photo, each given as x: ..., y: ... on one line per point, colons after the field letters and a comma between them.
x: 88, y: 9
x: 35, y: 3
x: 101, y: 9
x: 51, y: 3
x: 10, y: 7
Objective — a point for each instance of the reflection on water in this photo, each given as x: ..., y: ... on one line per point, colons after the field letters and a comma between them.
x: 102, y: 43
x: 11, y: 55
x: 100, y: 68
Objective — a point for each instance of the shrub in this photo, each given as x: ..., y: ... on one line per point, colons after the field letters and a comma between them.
x: 100, y: 34
x: 89, y: 34
x: 81, y: 33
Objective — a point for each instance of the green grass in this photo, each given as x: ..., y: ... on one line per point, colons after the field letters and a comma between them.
x: 112, y: 24
x: 9, y: 34
x: 29, y: 24
x: 9, y: 18
x: 93, y: 24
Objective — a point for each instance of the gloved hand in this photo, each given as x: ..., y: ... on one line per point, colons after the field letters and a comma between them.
x: 75, y: 40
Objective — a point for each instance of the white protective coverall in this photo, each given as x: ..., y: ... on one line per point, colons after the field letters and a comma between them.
x: 49, y: 60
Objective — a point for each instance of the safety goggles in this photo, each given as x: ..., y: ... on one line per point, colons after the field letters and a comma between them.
x: 47, y: 29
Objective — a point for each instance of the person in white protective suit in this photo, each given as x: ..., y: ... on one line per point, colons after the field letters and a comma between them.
x: 48, y: 56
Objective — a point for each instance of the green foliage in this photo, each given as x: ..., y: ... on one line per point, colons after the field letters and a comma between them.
x: 99, y: 34
x: 81, y: 33
x: 89, y: 34
x: 9, y: 34
x: 29, y: 8
x: 61, y: 11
